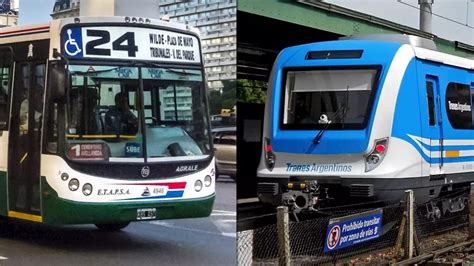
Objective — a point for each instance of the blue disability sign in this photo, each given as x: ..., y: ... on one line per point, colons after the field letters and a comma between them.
x: 72, y: 43
x: 350, y: 230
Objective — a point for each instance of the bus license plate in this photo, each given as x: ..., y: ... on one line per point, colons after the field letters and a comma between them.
x: 146, y: 214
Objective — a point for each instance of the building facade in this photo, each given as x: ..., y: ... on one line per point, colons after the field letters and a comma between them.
x: 8, y: 13
x: 66, y: 9
x: 217, y: 22
x: 176, y: 105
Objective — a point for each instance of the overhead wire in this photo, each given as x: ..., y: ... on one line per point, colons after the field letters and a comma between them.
x: 443, y: 17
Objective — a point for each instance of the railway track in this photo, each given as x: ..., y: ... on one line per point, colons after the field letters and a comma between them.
x: 253, y: 216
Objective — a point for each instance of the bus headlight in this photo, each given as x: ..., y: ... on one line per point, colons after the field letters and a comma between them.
x: 64, y: 176
x: 87, y: 189
x: 207, y: 181
x: 73, y: 184
x: 198, y: 185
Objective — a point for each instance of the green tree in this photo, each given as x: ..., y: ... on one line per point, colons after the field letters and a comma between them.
x: 229, y: 94
x: 224, y: 98
x: 215, y: 102
x: 251, y: 91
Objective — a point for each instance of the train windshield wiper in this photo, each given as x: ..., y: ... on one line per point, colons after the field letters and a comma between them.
x: 318, y: 137
x: 341, y: 110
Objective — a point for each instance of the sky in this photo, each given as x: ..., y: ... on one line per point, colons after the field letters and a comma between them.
x: 35, y: 11
x: 400, y: 11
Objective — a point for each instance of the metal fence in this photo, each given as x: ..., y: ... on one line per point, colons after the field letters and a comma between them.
x: 306, y: 239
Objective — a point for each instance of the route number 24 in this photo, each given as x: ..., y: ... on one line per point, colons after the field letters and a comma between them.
x: 125, y: 42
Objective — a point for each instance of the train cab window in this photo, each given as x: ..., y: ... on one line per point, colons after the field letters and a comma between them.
x: 341, y: 98
x: 431, y: 106
x: 5, y: 64
x: 458, y: 105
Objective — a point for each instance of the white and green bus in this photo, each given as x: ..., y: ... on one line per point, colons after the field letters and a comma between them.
x: 104, y: 121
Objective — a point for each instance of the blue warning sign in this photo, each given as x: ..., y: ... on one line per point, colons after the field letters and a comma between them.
x: 346, y: 231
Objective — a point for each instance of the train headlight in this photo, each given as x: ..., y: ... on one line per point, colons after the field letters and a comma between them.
x: 198, y: 185
x: 73, y: 184
x: 375, y: 157
x: 87, y: 189
x: 269, y: 155
x: 207, y: 180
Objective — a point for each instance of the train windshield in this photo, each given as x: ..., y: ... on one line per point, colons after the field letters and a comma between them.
x: 330, y: 98
x: 110, y: 119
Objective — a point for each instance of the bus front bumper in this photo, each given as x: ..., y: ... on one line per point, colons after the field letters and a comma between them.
x: 57, y: 211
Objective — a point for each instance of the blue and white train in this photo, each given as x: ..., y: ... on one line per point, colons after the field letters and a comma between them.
x: 365, y: 118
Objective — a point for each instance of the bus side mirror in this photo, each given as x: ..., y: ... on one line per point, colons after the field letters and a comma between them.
x: 58, y: 80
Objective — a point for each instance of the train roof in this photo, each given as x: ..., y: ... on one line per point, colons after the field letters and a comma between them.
x: 443, y: 58
x: 422, y: 50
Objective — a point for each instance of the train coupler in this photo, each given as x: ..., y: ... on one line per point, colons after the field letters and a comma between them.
x: 304, y: 196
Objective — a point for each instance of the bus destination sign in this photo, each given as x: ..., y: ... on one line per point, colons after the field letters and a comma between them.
x: 130, y: 43
x: 88, y: 151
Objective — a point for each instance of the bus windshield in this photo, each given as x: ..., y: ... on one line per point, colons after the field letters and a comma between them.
x: 108, y: 118
x: 330, y: 98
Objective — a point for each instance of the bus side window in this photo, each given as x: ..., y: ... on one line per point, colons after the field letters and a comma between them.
x: 52, y: 129
x: 5, y: 67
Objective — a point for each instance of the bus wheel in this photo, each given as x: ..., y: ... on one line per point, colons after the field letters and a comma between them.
x: 112, y: 227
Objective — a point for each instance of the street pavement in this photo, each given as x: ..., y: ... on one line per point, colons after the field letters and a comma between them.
x: 204, y: 241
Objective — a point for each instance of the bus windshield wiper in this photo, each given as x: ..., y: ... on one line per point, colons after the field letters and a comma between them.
x: 341, y: 110
x: 95, y: 72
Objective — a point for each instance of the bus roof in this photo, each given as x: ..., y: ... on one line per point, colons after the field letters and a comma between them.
x: 131, y: 21
x: 17, y: 31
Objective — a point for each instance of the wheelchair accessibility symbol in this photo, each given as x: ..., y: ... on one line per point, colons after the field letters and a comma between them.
x: 71, y: 45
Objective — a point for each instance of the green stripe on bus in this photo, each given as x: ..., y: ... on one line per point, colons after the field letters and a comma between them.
x: 59, y: 211
x: 3, y: 194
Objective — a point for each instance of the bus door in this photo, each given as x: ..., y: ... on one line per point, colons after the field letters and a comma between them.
x: 435, y: 131
x: 24, y: 143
